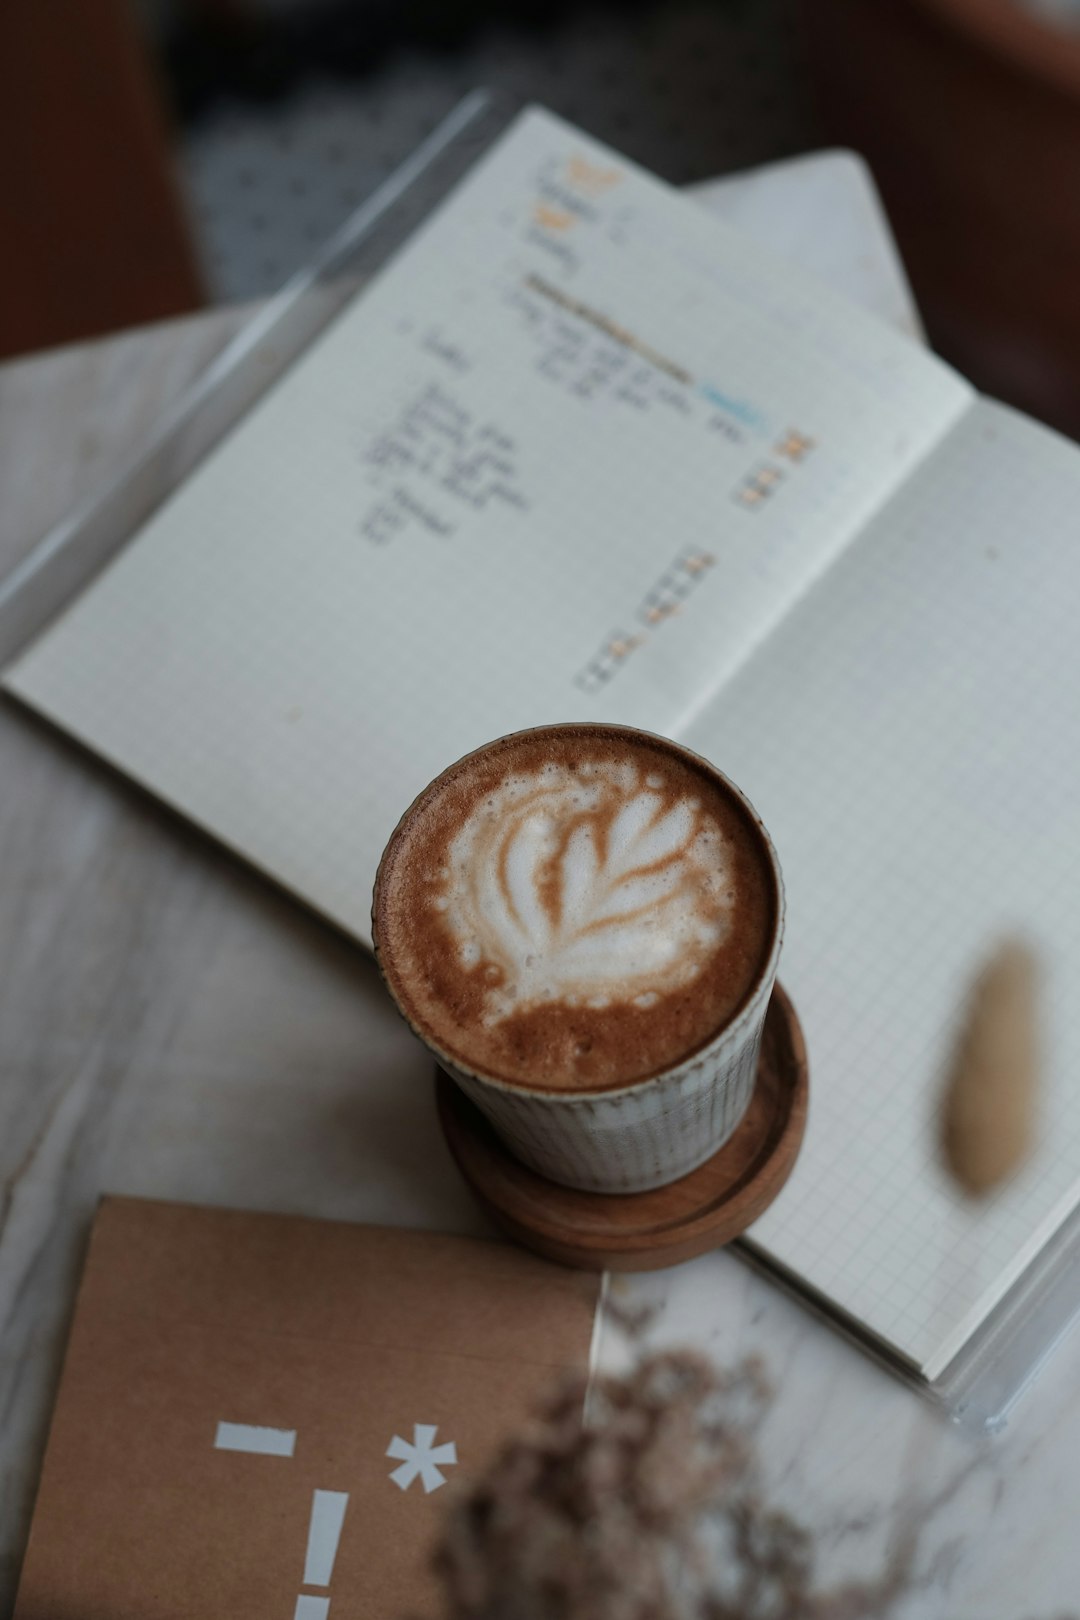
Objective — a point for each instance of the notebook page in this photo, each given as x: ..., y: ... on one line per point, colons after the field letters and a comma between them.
x: 911, y: 736
x: 786, y: 204
x: 568, y: 456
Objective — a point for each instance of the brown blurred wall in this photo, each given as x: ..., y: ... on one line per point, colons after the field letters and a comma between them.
x: 92, y: 228
x: 969, y: 114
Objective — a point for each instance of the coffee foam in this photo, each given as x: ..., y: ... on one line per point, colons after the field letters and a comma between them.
x: 591, y: 886
x: 575, y: 908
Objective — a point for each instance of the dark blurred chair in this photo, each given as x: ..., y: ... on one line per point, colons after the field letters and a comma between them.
x: 92, y: 225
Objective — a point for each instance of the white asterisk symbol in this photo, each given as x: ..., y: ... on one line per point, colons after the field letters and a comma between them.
x: 423, y: 1459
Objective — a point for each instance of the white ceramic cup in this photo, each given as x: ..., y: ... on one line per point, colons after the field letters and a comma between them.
x: 652, y: 1131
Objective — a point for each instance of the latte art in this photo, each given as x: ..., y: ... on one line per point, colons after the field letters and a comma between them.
x: 575, y: 908
x: 589, y: 886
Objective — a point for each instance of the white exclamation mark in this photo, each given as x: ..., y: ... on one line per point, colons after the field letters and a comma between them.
x: 324, y: 1533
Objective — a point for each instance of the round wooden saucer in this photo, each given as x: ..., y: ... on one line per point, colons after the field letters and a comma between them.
x: 644, y: 1231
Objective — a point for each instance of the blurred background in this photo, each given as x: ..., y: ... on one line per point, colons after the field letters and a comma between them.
x: 157, y: 156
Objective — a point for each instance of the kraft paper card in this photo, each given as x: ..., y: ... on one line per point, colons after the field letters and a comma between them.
x: 263, y: 1417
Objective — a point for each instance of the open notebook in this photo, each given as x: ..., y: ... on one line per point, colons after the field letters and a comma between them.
x: 582, y: 451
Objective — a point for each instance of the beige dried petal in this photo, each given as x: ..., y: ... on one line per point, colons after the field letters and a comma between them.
x: 990, y: 1101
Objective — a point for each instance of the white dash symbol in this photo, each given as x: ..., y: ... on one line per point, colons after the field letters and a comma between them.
x: 324, y: 1533
x: 248, y: 1437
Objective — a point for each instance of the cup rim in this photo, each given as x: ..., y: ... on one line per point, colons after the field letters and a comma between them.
x: 745, y: 1015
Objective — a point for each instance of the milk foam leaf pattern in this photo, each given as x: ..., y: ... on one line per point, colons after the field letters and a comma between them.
x: 589, y: 888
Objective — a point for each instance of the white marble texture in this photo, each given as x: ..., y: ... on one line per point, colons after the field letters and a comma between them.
x: 171, y: 1026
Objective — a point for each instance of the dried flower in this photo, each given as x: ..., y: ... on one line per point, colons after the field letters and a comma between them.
x: 989, y: 1113
x: 650, y: 1511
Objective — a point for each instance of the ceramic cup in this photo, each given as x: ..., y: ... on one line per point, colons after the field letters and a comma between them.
x: 651, y: 1131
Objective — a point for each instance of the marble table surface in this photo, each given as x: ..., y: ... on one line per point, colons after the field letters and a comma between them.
x: 171, y: 1026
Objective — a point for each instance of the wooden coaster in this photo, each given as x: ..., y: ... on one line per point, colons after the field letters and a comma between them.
x: 644, y: 1231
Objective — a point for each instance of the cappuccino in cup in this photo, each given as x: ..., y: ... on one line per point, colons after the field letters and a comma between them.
x: 582, y: 922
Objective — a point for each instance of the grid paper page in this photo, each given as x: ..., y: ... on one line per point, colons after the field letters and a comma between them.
x: 911, y: 737
x: 570, y: 456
